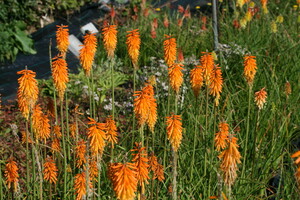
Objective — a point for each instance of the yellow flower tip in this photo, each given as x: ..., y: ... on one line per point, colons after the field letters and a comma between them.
x: 274, y: 27
x: 50, y: 171
x: 62, y: 38
x: 196, y: 79
x: 110, y: 39
x: 279, y: 19
x: 260, y: 98
x: 174, y: 131
x: 250, y: 68
x: 27, y: 92
x: 176, y: 76
x: 60, y: 75
x: 133, y: 43
x: 11, y: 173
x: 170, y: 50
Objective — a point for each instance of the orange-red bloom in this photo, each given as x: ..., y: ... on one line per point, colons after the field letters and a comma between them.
x: 27, y: 92
x: 176, y: 76
x: 170, y: 50
x: 50, y: 170
x: 260, y: 98
x: 215, y: 84
x: 174, y: 131
x: 297, y: 162
x: 11, y: 173
x: 208, y: 63
x: 145, y: 107
x: 60, y: 75
x: 249, y: 68
x: 196, y: 81
x: 40, y: 124
x: 264, y: 6
x: 62, y: 38
x: 111, y: 131
x: 124, y: 178
x: 229, y: 160
x: 97, y: 134
x: 87, y: 52
x: 221, y: 138
x: 140, y: 160
x: 110, y: 39
x: 80, y: 151
x: 133, y: 46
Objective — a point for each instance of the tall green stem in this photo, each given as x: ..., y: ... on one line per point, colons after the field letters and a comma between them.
x: 64, y: 148
x: 27, y: 159
x: 247, y: 129
x: 111, y: 63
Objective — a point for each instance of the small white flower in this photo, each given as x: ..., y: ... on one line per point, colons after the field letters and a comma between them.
x: 108, y: 107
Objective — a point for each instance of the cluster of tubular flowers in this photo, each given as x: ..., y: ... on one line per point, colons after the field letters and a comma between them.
x: 215, y: 84
x: 264, y: 6
x: 28, y: 92
x: 87, y: 52
x: 176, y: 76
x: 80, y: 185
x: 230, y: 158
x: 25, y: 138
x: 62, y: 38
x: 170, y: 50
x: 287, y: 89
x: 260, y: 98
x: 133, y: 46
x: 57, y: 131
x: 141, y: 162
x: 97, y: 134
x: 196, y: 79
x: 174, y: 131
x: 11, y: 173
x: 40, y: 124
x: 111, y: 131
x: 60, y: 75
x: 93, y: 170
x: 110, y: 39
x: 80, y: 151
x: 250, y: 68
x: 50, y: 170
x: 73, y: 130
x: 55, y: 145
x: 297, y: 162
x: 221, y: 137
x: 124, y: 179
x: 145, y: 107
x: 208, y: 63
x: 156, y: 168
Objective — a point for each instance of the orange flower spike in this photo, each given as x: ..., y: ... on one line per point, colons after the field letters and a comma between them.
x: 221, y: 138
x: 110, y: 39
x: 141, y: 106
x: 55, y: 146
x: 93, y: 170
x: 60, y: 75
x: 80, y: 185
x: 208, y: 63
x: 295, y: 155
x: 230, y: 158
x: 27, y: 92
x: 11, y: 173
x: 176, y: 76
x: 111, y: 131
x: 215, y: 84
x: 62, y: 38
x: 264, y: 6
x: 174, y: 131
x: 40, y: 124
x: 140, y: 159
x: 133, y: 43
x: 87, y: 52
x: 80, y: 151
x: 152, y: 116
x: 170, y: 50
x: 57, y: 131
x: 90, y: 41
x: 97, y: 134
x: 153, y: 162
x: 260, y: 98
x: 73, y: 130
x: 250, y: 68
x: 196, y: 79
x: 24, y: 138
x: 124, y: 178
x: 159, y: 173
x: 50, y: 171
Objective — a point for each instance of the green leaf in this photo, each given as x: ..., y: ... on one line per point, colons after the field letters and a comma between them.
x: 25, y: 41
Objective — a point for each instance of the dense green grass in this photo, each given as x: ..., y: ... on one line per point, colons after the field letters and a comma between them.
x: 273, y: 130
